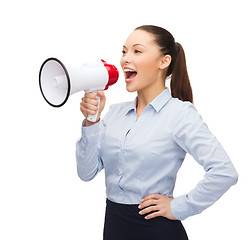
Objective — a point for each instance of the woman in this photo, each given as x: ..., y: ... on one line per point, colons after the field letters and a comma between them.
x: 142, y: 144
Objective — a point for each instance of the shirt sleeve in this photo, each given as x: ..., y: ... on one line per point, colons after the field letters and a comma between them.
x: 194, y: 137
x: 89, y: 162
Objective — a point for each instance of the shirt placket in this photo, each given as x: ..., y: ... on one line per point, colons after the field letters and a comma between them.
x: 126, y: 136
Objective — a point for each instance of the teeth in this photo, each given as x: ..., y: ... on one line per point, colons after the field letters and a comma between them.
x: 129, y: 70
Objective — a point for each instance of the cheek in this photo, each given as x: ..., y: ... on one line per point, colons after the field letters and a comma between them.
x: 148, y: 65
x: 122, y: 62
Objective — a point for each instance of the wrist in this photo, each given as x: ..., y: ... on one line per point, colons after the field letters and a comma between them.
x: 88, y: 123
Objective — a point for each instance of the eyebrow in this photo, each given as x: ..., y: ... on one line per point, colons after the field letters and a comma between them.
x: 134, y: 45
x: 138, y: 44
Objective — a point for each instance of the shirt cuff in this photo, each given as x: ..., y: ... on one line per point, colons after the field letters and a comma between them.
x: 180, y: 208
x: 90, y: 131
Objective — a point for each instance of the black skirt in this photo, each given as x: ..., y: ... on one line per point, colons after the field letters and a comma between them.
x: 123, y: 222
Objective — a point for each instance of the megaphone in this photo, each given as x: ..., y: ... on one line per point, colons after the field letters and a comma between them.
x: 57, y: 82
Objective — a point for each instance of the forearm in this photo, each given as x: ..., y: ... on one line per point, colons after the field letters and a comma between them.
x: 205, y: 194
x: 87, y: 156
x: 219, y: 177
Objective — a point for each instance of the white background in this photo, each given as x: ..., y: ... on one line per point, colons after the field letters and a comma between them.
x: 41, y: 194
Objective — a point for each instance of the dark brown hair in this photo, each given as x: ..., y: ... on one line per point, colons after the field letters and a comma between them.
x: 180, y: 84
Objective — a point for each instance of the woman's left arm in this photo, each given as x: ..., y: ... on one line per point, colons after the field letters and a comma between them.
x: 192, y: 134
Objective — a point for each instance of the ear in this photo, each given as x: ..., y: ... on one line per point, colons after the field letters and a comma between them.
x: 165, y: 62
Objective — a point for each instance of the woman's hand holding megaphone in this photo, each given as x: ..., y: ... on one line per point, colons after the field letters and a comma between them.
x: 89, y: 105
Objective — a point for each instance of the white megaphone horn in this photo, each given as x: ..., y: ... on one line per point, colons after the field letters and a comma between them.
x: 58, y: 82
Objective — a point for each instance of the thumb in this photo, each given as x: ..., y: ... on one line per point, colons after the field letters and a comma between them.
x: 101, y: 94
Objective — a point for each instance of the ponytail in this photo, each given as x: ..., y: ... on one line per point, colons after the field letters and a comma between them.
x: 180, y: 84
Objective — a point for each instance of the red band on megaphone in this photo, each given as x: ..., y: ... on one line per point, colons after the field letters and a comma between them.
x: 113, y: 74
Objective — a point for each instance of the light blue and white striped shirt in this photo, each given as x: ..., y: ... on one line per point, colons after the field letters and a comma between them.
x: 143, y: 156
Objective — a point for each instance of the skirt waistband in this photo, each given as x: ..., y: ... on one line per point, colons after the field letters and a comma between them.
x: 130, y: 210
x: 123, y: 222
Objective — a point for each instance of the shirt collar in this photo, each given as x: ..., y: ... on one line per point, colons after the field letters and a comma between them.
x: 157, y: 103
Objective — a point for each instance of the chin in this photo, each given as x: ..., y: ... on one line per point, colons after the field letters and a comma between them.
x: 131, y: 88
x: 134, y: 86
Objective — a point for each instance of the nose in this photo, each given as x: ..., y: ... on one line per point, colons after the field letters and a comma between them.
x: 127, y: 61
x: 127, y: 58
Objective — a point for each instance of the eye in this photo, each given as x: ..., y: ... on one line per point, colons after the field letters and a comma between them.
x: 123, y: 51
x: 137, y: 51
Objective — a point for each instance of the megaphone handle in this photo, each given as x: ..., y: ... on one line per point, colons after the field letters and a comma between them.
x: 93, y: 118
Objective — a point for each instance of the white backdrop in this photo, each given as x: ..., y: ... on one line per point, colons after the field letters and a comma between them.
x: 41, y: 194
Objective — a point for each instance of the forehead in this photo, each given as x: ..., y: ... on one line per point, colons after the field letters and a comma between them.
x: 140, y: 37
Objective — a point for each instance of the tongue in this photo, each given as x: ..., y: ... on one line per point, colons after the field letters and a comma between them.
x: 132, y: 75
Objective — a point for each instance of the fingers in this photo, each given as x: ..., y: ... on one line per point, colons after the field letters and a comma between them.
x: 153, y: 215
x: 87, y: 111
x: 148, y: 203
x: 90, y: 98
x: 152, y: 196
x: 148, y: 210
x: 156, y: 205
x: 89, y: 104
x: 90, y: 95
x: 88, y: 108
x: 149, y: 206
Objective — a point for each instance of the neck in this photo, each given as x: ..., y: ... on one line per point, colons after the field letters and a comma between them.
x: 145, y: 96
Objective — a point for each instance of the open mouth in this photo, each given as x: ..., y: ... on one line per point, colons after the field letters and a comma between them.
x: 130, y: 74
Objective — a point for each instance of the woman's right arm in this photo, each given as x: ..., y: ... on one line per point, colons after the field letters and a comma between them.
x: 89, y: 162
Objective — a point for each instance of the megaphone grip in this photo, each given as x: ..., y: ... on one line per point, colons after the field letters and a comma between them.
x: 93, y: 118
